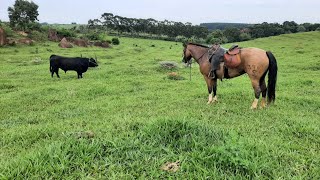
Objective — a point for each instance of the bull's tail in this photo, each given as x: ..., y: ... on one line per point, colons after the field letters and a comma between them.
x: 272, y: 77
x: 50, y: 68
x: 52, y: 56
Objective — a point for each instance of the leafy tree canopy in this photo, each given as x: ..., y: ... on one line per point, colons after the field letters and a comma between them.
x: 22, y: 14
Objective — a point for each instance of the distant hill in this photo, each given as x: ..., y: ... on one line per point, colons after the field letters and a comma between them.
x: 222, y: 26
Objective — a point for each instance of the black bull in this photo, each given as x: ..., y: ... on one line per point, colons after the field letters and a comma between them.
x: 78, y: 64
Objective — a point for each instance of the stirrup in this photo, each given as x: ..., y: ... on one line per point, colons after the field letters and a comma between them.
x: 212, y: 75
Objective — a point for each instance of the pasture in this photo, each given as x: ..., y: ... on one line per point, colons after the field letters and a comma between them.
x: 126, y: 118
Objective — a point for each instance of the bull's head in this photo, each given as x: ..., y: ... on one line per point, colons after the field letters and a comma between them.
x: 92, y: 63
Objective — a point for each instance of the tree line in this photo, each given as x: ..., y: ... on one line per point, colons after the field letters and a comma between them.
x: 186, y: 31
x: 23, y: 16
x: 223, y: 26
x: 233, y: 34
x: 133, y: 26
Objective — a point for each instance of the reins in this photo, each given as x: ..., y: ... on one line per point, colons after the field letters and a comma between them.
x: 190, y: 62
x: 208, y: 53
x: 190, y: 68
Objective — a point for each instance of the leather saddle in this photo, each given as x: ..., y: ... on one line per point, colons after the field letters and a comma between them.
x: 232, y: 57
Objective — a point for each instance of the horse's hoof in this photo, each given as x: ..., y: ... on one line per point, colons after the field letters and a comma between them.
x: 262, y: 107
x: 209, y: 102
x: 254, y: 104
x: 253, y: 108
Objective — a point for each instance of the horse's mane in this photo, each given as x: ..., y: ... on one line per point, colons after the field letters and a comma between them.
x: 196, y: 44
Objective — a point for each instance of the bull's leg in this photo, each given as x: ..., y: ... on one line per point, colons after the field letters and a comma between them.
x: 257, y: 91
x: 52, y: 72
x: 79, y: 74
x: 57, y: 72
x: 263, y: 88
x: 212, y: 88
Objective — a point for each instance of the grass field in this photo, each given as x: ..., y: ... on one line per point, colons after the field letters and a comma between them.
x: 126, y: 118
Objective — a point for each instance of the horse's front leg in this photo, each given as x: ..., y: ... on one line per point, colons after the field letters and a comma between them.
x: 212, y: 89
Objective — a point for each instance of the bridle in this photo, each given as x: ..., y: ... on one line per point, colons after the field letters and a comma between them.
x: 189, y: 62
x: 209, y: 52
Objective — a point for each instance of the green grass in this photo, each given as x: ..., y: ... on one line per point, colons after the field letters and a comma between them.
x: 141, y: 118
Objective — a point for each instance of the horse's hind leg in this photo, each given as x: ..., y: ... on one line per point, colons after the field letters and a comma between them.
x: 263, y: 88
x: 257, y: 91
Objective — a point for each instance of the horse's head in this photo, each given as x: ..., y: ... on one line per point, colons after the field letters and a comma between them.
x: 186, y: 55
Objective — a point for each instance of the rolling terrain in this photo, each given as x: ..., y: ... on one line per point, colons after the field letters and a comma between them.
x: 126, y: 118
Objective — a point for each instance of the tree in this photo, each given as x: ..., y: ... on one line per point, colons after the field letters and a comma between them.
x: 244, y: 37
x: 290, y: 26
x: 94, y: 24
x: 301, y: 28
x: 232, y: 34
x: 307, y: 26
x: 216, y: 37
x: 23, y: 14
x: 108, y: 20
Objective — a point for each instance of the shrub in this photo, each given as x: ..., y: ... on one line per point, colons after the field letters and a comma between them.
x: 7, y: 29
x: 66, y: 33
x: 92, y: 36
x: 38, y: 36
x: 44, y: 29
x: 109, y: 41
x: 96, y: 36
x: 115, y: 41
x: 217, y: 40
x: 34, y: 26
x: 175, y: 76
x: 181, y: 39
x: 200, y: 41
x: 168, y: 64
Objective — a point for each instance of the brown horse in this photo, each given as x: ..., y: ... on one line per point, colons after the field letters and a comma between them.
x: 254, y: 61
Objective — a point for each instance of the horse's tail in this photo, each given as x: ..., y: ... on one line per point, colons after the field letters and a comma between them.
x: 272, y: 77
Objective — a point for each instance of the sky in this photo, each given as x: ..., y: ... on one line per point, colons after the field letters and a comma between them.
x: 194, y: 11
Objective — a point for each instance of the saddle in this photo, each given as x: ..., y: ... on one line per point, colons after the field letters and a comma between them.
x: 216, y: 55
x: 232, y: 57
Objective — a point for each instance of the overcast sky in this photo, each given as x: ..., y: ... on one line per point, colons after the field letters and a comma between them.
x: 194, y: 11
